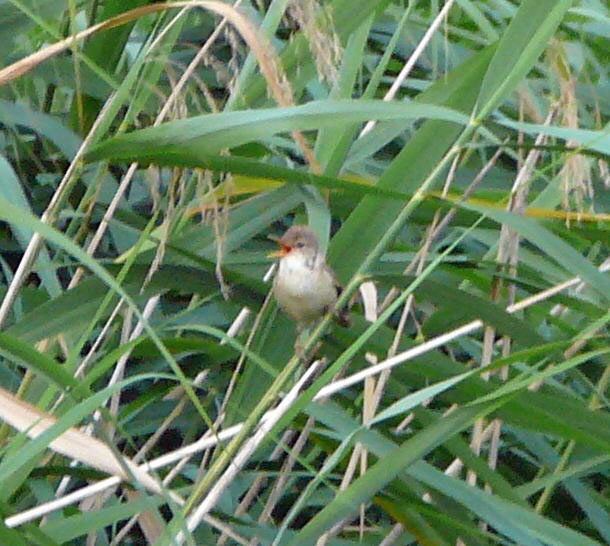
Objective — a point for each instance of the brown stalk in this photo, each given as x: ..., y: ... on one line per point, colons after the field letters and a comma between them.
x: 508, y: 257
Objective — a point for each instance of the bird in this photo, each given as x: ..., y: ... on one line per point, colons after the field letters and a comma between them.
x: 304, y: 286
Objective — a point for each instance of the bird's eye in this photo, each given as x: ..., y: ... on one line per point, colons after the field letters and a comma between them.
x: 300, y: 244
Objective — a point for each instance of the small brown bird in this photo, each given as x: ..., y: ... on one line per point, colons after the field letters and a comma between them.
x: 305, y: 286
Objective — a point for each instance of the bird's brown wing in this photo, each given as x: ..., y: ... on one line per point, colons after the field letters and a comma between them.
x: 341, y: 315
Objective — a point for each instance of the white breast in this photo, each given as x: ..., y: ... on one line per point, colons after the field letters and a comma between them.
x: 304, y: 292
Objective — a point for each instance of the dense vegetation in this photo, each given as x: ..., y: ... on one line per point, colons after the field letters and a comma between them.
x: 452, y: 156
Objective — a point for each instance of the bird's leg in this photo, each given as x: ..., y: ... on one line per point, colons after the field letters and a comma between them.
x: 303, y: 333
x: 299, y: 343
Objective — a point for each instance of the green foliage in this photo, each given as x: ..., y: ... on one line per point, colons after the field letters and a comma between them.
x: 135, y: 211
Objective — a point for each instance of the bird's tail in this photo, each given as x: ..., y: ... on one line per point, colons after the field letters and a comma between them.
x: 342, y: 316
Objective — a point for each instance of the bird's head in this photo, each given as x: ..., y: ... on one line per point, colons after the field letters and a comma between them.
x: 297, y: 240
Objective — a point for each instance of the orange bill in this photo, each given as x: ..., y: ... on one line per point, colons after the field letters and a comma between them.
x: 280, y: 253
x: 283, y: 251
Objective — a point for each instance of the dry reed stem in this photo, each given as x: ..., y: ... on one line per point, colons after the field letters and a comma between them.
x: 48, y: 217
x: 447, y: 220
x: 284, y: 475
x: 406, y: 69
x: 244, y: 454
x: 260, y: 481
x: 508, y: 255
x: 72, y: 443
x: 368, y: 293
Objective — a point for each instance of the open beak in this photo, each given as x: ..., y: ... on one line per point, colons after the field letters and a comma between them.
x: 284, y: 251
